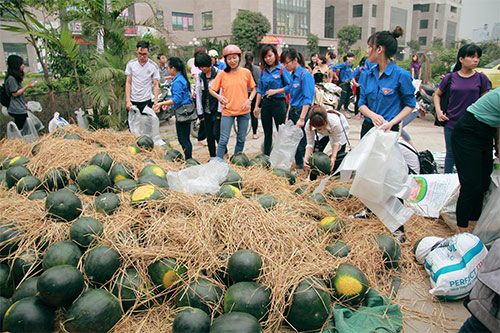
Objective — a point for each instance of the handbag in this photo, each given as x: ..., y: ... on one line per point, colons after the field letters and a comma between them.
x: 185, y: 113
x: 445, y: 98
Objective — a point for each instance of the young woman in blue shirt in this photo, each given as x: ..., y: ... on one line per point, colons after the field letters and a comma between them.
x: 388, y: 94
x: 270, y: 100
x: 181, y: 95
x: 301, y: 92
x: 344, y: 81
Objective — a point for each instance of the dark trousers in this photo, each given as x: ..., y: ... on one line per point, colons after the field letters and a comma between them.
x: 272, y: 108
x: 254, y: 121
x: 294, y: 115
x: 19, y: 119
x: 183, y: 131
x: 344, y: 96
x: 358, y: 94
x: 212, y: 131
x: 368, y: 125
x: 472, y: 144
x: 202, y: 132
x: 473, y: 325
x: 142, y: 105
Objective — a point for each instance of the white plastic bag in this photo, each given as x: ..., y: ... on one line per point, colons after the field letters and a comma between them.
x: 34, y: 106
x: 81, y: 119
x: 57, y: 122
x: 36, y: 122
x: 284, y: 148
x: 454, y: 264
x: 28, y: 133
x: 381, y: 177
x: 488, y: 225
x: 199, y: 179
x: 146, y: 123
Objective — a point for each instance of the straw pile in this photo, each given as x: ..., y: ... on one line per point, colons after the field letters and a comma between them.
x: 200, y: 232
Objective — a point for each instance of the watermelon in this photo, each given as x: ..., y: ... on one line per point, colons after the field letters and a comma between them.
x: 101, y: 263
x: 302, y: 189
x: 264, y: 160
x: 166, y: 272
x: 125, y: 185
x: 55, y: 178
x: 96, y: 310
x: 129, y: 289
x: 153, y: 169
x: 133, y: 150
x: 201, y: 293
x: 4, y: 161
x: 75, y: 170
x: 5, y: 303
x: 6, y: 283
x: 244, y: 265
x: 391, y: 251
x: 121, y: 171
x: 63, y: 205
x: 27, y: 288
x: 35, y: 149
x: 2, y: 178
x: 72, y: 136
x: 332, y: 224
x: 191, y: 320
x: 339, y: 193
x: 249, y: 297
x: 173, y: 155
x: 14, y: 174
x: 93, y: 179
x: 228, y: 192
x: 266, y: 201
x: 257, y: 162
x: 60, y: 285
x: 350, y: 284
x: 153, y: 180
x: 318, y: 197
x: 320, y: 162
x: 234, y: 179
x: 26, y: 263
x: 102, y: 160
x: 235, y: 322
x: 9, y: 239
x: 285, y: 174
x: 310, y: 307
x: 145, y: 193
x: 18, y: 160
x: 145, y: 142
x: 107, y: 203
x: 85, y: 230
x: 240, y: 159
x: 73, y: 188
x: 338, y: 249
x: 191, y: 162
x: 61, y: 253
x: 29, y: 314
x: 37, y: 195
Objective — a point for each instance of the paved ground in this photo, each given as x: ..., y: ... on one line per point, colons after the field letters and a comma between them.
x: 413, y: 295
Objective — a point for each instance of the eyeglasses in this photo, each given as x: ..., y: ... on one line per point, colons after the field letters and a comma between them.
x: 288, y: 62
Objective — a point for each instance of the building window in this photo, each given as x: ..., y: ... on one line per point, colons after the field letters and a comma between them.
x: 207, y: 21
x: 398, y: 17
x: 357, y: 11
x: 436, y: 24
x: 373, y: 30
x: 437, y: 8
x: 424, y: 24
x: 329, y: 19
x: 453, y: 9
x: 374, y: 10
x: 451, y: 33
x: 182, y: 22
x: 422, y: 7
x: 292, y: 17
x: 422, y: 40
x: 16, y: 48
x: 159, y: 17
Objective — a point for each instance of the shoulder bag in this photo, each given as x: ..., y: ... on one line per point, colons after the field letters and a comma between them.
x: 185, y: 113
x: 445, y: 98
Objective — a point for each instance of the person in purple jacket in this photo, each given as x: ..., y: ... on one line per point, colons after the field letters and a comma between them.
x: 415, y: 67
x: 466, y: 87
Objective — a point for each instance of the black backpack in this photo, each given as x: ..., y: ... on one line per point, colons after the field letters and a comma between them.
x: 4, y: 97
x: 427, y: 163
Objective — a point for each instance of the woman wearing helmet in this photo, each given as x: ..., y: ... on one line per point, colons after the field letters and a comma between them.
x: 233, y: 84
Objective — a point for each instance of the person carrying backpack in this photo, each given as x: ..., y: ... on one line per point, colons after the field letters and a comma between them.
x: 14, y: 90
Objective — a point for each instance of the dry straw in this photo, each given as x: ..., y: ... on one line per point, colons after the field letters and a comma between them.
x: 202, y: 233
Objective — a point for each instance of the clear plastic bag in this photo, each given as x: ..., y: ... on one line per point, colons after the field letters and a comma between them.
x: 81, y: 119
x: 36, y: 122
x: 28, y: 133
x: 146, y: 123
x: 488, y: 225
x: 285, y: 146
x: 199, y: 179
x: 34, y: 106
x: 381, y: 177
x: 57, y: 122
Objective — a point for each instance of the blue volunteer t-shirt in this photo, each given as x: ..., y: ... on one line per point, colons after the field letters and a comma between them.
x: 302, y: 88
x: 345, y: 71
x: 180, y: 91
x: 272, y: 80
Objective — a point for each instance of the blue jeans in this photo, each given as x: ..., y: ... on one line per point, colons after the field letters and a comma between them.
x: 226, y: 125
x: 449, y: 161
x: 472, y: 325
x: 408, y: 119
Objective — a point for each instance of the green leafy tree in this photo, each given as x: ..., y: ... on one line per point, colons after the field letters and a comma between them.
x: 215, y: 44
x: 414, y: 46
x: 312, y: 43
x: 348, y: 35
x: 248, y: 29
x: 491, y: 52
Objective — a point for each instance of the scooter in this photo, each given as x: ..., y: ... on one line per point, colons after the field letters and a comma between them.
x: 165, y: 93
x: 425, y: 99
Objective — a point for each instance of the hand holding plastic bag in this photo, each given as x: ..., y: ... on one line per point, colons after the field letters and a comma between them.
x: 57, y: 122
x: 199, y: 179
x: 145, y: 123
x: 285, y: 146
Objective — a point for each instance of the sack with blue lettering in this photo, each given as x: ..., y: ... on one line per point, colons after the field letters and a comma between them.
x: 454, y: 264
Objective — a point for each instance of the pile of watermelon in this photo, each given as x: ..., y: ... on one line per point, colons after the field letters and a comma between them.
x: 92, y: 239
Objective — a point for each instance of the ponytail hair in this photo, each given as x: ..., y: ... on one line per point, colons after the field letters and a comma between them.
x: 248, y: 61
x: 293, y: 54
x: 386, y: 39
x: 317, y: 117
x: 468, y: 50
x: 179, y: 66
